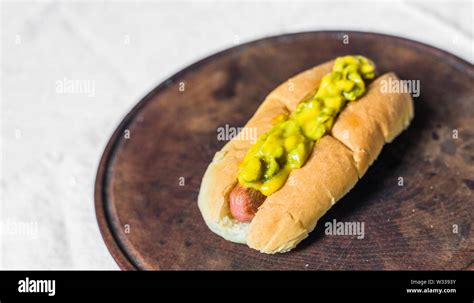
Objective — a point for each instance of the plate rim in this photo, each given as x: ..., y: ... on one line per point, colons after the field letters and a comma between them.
x: 103, y: 217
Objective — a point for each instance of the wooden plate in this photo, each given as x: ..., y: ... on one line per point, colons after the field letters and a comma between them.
x: 149, y: 218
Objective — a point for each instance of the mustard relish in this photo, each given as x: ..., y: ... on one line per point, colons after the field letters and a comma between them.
x: 287, y: 145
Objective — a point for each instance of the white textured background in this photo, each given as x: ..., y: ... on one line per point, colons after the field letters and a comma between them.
x: 51, y: 143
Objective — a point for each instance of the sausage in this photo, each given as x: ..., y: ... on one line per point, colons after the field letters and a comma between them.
x: 244, y: 202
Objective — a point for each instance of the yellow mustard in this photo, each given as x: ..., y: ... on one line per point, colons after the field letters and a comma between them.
x: 287, y: 145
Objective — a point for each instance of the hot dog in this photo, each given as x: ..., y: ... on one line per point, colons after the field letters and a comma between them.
x: 244, y: 203
x: 321, y: 129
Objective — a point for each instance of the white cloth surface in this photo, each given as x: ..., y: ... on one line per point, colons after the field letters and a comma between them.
x: 51, y: 142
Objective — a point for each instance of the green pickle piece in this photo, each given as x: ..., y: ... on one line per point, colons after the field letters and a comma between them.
x: 288, y: 144
x: 272, y: 168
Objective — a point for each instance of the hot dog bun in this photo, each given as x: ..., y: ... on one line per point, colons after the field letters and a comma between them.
x: 336, y: 163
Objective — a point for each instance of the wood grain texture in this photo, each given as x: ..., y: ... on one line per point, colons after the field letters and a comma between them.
x: 149, y: 221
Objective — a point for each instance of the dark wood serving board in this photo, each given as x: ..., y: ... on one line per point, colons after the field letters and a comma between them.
x: 150, y: 221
